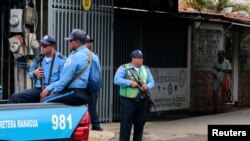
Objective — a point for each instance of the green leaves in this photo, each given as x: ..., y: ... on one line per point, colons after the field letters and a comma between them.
x: 215, y: 7
x: 223, y: 4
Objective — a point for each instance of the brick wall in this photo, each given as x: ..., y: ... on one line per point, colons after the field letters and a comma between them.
x: 201, y: 92
x: 244, y: 88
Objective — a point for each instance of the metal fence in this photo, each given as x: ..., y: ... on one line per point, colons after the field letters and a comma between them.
x: 162, y: 40
x: 65, y: 15
x: 6, y: 57
x: 115, y: 35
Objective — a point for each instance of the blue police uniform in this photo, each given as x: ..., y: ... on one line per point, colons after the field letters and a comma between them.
x: 120, y: 77
x: 92, y: 105
x: 33, y: 95
x: 132, y: 112
x: 75, y: 93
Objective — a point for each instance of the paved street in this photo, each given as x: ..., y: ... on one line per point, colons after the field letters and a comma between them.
x: 185, y: 129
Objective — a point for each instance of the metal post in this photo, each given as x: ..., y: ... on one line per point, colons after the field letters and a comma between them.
x: 41, y: 19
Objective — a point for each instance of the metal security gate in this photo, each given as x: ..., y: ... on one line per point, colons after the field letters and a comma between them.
x: 6, y: 57
x: 65, y: 15
x: 162, y: 39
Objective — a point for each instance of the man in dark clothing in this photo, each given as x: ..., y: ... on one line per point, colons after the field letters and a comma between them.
x: 93, y: 100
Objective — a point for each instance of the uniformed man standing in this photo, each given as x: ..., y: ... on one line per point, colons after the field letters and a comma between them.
x: 95, y: 122
x: 65, y: 90
x: 132, y: 110
x: 47, y: 67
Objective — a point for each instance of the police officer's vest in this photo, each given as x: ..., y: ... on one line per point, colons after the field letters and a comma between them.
x: 132, y: 92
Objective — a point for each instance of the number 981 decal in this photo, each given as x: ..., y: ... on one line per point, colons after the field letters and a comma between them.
x: 61, y: 122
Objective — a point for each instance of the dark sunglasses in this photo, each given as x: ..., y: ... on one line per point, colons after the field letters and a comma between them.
x: 71, y: 41
x: 44, y: 46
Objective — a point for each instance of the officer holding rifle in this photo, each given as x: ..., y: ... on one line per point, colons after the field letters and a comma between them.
x: 44, y: 70
x: 134, y: 80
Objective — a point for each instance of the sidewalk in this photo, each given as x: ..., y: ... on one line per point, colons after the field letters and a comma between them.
x: 186, y: 129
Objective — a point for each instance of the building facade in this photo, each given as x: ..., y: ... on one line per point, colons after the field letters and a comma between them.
x: 180, y: 48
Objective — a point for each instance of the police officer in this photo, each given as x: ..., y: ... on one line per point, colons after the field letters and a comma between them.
x: 74, y: 93
x: 133, y: 111
x: 44, y: 70
x: 94, y: 96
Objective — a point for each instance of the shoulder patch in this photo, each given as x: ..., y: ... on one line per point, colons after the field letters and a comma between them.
x: 61, y: 56
x: 145, y: 66
x: 126, y: 65
x: 67, y: 63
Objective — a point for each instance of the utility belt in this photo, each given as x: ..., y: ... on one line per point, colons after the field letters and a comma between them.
x: 133, y: 99
x: 82, y: 93
x: 77, y: 89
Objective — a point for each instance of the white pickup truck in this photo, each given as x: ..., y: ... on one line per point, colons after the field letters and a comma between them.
x: 44, y: 121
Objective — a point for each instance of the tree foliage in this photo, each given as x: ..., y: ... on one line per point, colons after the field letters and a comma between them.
x: 222, y: 4
x: 213, y: 6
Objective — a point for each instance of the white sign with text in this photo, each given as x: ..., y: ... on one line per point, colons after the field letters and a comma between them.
x: 171, y: 89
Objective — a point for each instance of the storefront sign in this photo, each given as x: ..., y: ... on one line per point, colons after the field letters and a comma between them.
x: 171, y: 88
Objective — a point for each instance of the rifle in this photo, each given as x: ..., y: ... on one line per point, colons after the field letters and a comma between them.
x: 143, y: 94
x: 39, y: 62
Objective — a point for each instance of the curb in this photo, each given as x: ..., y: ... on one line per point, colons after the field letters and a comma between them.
x: 101, y: 135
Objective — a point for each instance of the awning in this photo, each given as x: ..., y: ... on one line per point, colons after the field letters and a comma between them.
x: 240, y: 24
x: 218, y: 18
